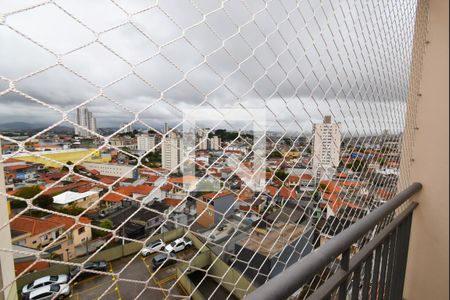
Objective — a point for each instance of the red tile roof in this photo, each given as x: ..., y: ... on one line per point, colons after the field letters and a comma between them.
x: 32, y: 225
x: 184, y: 179
x: 152, y: 178
x: 68, y: 221
x: 12, y: 160
x: 17, y: 167
x: 37, y: 266
x: 283, y: 192
x: 386, y: 195
x: 297, y: 178
x: 216, y: 195
x: 350, y: 183
x: 108, y: 179
x: 173, y: 201
x: 331, y: 186
x: 59, y: 189
x: 127, y: 191
x: 114, y: 198
x: 166, y: 187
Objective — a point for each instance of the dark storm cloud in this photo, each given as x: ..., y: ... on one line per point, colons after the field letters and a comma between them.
x: 345, y: 59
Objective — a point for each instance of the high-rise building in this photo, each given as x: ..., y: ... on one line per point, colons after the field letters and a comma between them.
x: 215, y: 143
x: 172, y: 151
x: 146, y: 142
x: 126, y: 128
x: 92, y: 122
x: 326, y: 147
x: 202, y: 139
x: 86, y: 119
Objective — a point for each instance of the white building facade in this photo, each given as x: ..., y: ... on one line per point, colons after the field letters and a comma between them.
x: 171, y: 152
x: 146, y: 142
x: 202, y: 139
x: 326, y: 148
x: 215, y: 143
x: 115, y: 170
x: 86, y: 119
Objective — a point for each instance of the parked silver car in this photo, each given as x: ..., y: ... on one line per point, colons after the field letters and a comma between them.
x: 153, y: 247
x: 178, y: 245
x: 44, y: 281
x: 49, y: 292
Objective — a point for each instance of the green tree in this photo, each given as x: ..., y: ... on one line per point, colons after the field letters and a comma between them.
x: 281, y: 174
x: 323, y: 186
x: 43, y: 201
x: 65, y: 168
x: 358, y: 165
x: 275, y: 154
x: 72, y: 210
x: 153, y: 157
x: 15, y: 204
x: 106, y: 224
x: 28, y: 192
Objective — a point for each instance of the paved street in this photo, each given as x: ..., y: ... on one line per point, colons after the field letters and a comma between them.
x: 138, y: 269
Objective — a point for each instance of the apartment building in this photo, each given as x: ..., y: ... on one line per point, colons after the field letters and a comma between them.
x: 115, y: 170
x: 172, y: 151
x: 202, y: 139
x: 326, y: 147
x: 215, y: 143
x: 146, y: 142
x: 86, y: 119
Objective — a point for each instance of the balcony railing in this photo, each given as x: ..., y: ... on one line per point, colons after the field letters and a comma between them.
x: 376, y: 271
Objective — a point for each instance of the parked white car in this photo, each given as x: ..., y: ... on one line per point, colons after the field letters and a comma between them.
x: 44, y: 281
x: 153, y: 247
x: 178, y: 245
x: 49, y: 292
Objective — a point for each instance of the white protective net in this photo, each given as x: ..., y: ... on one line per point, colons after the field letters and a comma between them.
x: 241, y: 134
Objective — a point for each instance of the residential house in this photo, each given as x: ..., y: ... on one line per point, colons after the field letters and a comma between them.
x: 78, y: 234
x: 37, y: 233
x: 69, y: 198
x: 281, y: 194
x: 180, y: 186
x: 213, y: 207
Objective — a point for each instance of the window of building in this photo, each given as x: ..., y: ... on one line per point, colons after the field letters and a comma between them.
x: 81, y: 230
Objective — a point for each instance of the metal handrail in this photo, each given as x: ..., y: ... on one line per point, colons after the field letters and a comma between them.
x: 294, y: 277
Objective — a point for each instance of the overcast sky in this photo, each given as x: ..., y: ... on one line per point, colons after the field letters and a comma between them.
x: 298, y: 59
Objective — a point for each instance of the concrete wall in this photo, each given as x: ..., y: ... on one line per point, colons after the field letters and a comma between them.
x: 427, y: 269
x: 233, y: 280
x: 188, y: 286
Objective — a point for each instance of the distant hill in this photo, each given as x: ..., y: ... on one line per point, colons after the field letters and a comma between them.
x: 20, y: 126
x: 33, y: 127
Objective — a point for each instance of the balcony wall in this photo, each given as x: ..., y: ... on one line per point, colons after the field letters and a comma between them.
x: 427, y: 269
